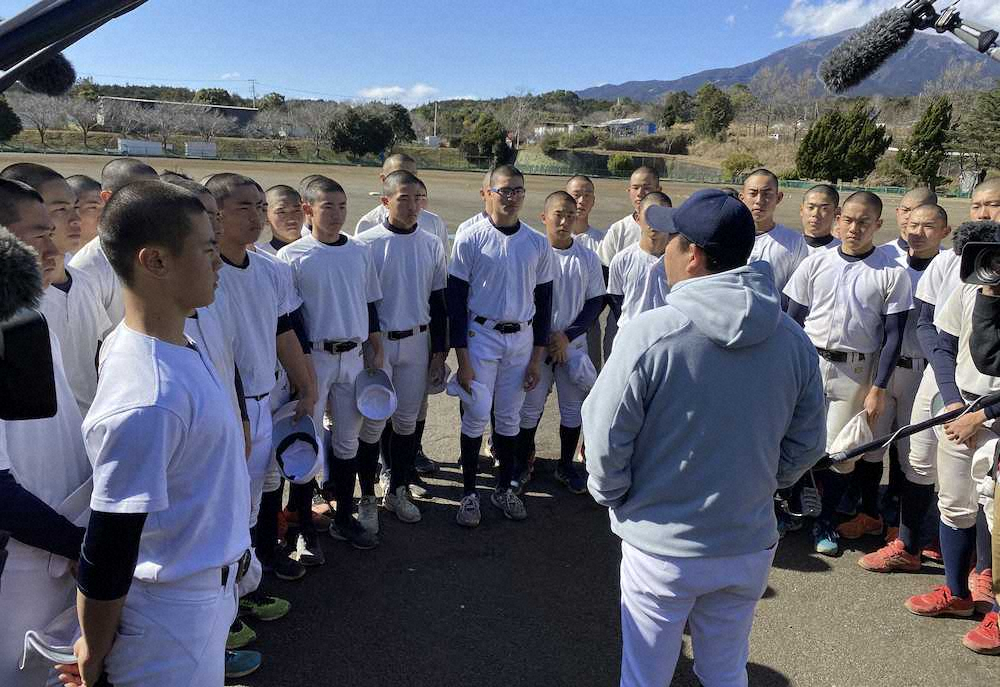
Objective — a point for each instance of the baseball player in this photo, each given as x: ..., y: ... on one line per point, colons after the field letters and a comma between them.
x: 413, y: 273
x: 577, y: 300
x: 90, y: 259
x: 484, y: 192
x: 636, y: 280
x: 47, y: 459
x: 88, y: 205
x: 167, y: 539
x: 375, y: 217
x: 284, y: 218
x: 818, y: 212
x: 916, y: 197
x: 500, y: 312
x: 853, y: 304
x: 339, y: 285
x: 582, y: 190
x: 779, y: 246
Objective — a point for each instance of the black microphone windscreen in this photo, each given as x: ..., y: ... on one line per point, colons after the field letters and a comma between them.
x: 53, y: 77
x: 20, y: 278
x: 866, y: 49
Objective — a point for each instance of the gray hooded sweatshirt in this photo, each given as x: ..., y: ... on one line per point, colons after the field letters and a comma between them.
x: 707, y: 405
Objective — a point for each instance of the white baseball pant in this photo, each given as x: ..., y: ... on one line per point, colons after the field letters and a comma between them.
x: 570, y: 395
x: 845, y: 385
x: 920, y: 464
x: 406, y: 362
x: 960, y: 471
x: 900, y: 396
x: 174, y: 634
x: 499, y: 362
x: 986, y: 487
x: 335, y: 375
x: 30, y: 598
x: 715, y: 596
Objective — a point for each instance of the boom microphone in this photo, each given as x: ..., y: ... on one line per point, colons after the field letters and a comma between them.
x: 866, y: 49
x: 53, y: 77
x: 20, y: 278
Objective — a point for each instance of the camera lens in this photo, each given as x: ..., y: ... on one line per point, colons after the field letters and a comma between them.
x: 988, y: 266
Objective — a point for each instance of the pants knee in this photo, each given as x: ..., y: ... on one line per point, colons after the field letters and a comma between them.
x: 371, y: 431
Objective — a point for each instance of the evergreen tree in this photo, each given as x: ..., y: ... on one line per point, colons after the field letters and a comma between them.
x: 715, y: 112
x: 925, y: 150
x: 10, y: 123
x: 842, y: 146
x: 978, y: 135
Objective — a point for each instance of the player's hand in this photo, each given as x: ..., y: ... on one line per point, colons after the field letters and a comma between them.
x: 373, y: 353
x: 964, y: 429
x: 874, y: 405
x: 86, y: 671
x: 466, y: 376
x: 435, y: 369
x: 304, y: 407
x: 532, y: 374
x: 558, y: 345
x: 247, y: 439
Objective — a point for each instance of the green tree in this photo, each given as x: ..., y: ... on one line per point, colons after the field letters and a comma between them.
x: 486, y: 137
x: 271, y: 101
x: 843, y: 146
x: 86, y: 89
x: 978, y: 136
x: 10, y: 123
x: 398, y: 118
x: 715, y: 112
x: 925, y: 149
x: 679, y: 105
x: 359, y: 131
x: 214, y: 96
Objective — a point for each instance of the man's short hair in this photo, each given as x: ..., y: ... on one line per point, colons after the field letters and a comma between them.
x: 826, y: 190
x: 397, y: 161
x: 922, y: 195
x: 81, y: 183
x: 321, y: 184
x: 168, y: 174
x: 509, y: 171
x: 222, y: 185
x: 145, y: 213
x: 12, y: 194
x: 396, y: 179
x: 991, y: 184
x: 645, y: 169
x: 712, y: 264
x: 939, y: 211
x: 305, y: 181
x: 763, y: 172
x: 124, y: 170
x: 866, y: 198
x: 557, y: 197
x: 280, y: 192
x: 188, y: 185
x: 31, y: 174
x: 581, y: 177
x: 658, y: 197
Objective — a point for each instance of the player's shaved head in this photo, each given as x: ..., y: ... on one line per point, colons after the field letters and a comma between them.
x: 145, y: 213
x: 583, y: 178
x: 168, y: 174
x: 222, y: 185
x: 558, y: 198
x: 919, y: 196
x: 868, y: 199
x: 31, y: 174
x: 305, y: 181
x: 644, y: 171
x: 989, y: 186
x: 13, y: 194
x: 771, y: 177
x: 487, y: 179
x: 826, y: 191
x: 319, y: 186
x: 81, y: 183
x: 655, y: 198
x: 931, y: 209
x: 509, y: 171
x: 982, y: 231
x: 399, y: 161
x: 281, y: 192
x: 394, y: 181
x: 124, y: 170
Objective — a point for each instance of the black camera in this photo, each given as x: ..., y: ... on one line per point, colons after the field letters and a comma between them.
x: 981, y: 263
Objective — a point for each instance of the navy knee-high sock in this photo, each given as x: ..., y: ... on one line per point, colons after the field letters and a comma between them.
x: 404, y: 453
x: 914, y: 500
x: 300, y: 497
x: 569, y: 437
x: 506, y: 450
x: 470, y: 462
x: 868, y: 476
x: 984, y: 543
x: 525, y: 446
x: 345, y: 474
x: 418, y: 433
x: 267, y: 525
x: 385, y: 446
x: 367, y: 467
x: 957, y: 546
x: 834, y: 485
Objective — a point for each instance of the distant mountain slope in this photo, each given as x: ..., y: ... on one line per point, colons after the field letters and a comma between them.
x: 922, y: 60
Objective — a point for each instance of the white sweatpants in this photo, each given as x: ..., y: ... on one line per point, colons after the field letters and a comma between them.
x: 335, y: 375
x: 960, y: 471
x: 570, y: 395
x: 499, y: 362
x: 920, y: 465
x: 30, y: 598
x: 406, y: 362
x: 899, y: 399
x: 716, y: 597
x: 174, y: 634
x: 845, y: 386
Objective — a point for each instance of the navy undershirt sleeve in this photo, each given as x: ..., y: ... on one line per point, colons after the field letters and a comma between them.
x: 606, y: 271
x: 373, y: 323
x: 439, y: 322
x: 943, y: 362
x: 892, y: 342
x: 457, y: 296
x: 284, y: 324
x: 109, y: 554
x: 588, y: 314
x: 927, y: 333
x: 615, y: 301
x: 797, y: 312
x: 241, y: 398
x: 542, y: 322
x: 297, y: 318
x: 34, y: 523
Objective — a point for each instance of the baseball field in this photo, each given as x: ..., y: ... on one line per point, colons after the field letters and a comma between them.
x: 536, y: 603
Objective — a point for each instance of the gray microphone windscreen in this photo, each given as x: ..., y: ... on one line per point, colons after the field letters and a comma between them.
x: 55, y: 76
x: 866, y: 49
x: 20, y: 278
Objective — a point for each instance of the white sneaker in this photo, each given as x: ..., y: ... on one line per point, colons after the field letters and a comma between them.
x: 401, y: 504
x: 368, y: 514
x: 468, y: 514
x: 507, y: 501
x: 383, y: 482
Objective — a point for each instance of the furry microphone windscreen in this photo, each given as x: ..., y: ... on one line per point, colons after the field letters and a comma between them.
x: 974, y: 231
x: 866, y: 49
x: 20, y: 278
x: 55, y: 76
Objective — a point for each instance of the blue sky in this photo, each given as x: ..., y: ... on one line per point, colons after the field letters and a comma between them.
x: 421, y: 50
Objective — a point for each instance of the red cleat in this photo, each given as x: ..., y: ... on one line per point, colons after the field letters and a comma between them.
x: 892, y: 557
x: 940, y: 602
x: 860, y: 525
x: 981, y: 586
x: 985, y: 637
x: 932, y: 552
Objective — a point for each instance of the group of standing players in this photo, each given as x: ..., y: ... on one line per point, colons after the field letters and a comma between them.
x: 201, y: 332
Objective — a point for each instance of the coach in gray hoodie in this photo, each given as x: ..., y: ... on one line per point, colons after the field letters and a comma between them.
x: 707, y: 405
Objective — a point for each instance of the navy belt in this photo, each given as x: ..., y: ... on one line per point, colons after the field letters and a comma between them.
x: 839, y: 356
x: 338, y: 346
x: 502, y: 327
x: 405, y: 333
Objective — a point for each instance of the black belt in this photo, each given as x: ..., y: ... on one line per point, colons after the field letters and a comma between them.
x: 405, y: 333
x: 838, y: 356
x: 502, y: 327
x: 909, y: 363
x: 338, y: 346
x: 241, y: 568
x: 258, y: 397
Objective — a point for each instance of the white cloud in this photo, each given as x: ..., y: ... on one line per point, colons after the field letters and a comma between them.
x: 230, y: 75
x: 823, y: 17
x: 731, y: 20
x: 413, y: 95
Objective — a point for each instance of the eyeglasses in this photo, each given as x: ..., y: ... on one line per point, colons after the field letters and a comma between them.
x: 509, y: 192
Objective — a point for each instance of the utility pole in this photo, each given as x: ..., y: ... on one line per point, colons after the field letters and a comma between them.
x: 253, y: 91
x: 435, y: 119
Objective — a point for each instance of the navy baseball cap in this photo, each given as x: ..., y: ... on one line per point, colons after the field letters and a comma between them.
x: 719, y: 224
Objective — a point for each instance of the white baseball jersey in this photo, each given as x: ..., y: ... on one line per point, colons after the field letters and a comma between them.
x: 428, y: 221
x: 591, y: 238
x: 336, y: 284
x: 576, y: 278
x: 940, y: 279
x: 163, y: 441
x: 211, y: 329
x: 270, y: 247
x: 897, y: 250
x: 835, y: 243
x: 92, y: 260
x: 409, y: 267
x: 502, y: 271
x: 641, y: 280
x: 620, y: 235
x: 79, y: 321
x: 464, y: 226
x: 847, y: 299
x: 257, y: 294
x: 783, y: 249
x: 955, y: 318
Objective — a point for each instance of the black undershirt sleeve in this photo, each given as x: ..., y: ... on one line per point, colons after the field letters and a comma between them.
x: 32, y: 522
x: 542, y: 322
x: 797, y: 312
x: 615, y: 301
x: 439, y: 322
x: 944, y: 359
x: 591, y: 310
x: 297, y: 319
x: 892, y: 342
x: 109, y: 554
x: 284, y: 324
x: 373, y: 324
x: 457, y: 296
x: 927, y: 333
x: 241, y: 398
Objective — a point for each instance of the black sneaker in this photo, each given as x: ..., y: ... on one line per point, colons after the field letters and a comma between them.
x: 423, y: 464
x: 284, y: 568
x: 354, y: 534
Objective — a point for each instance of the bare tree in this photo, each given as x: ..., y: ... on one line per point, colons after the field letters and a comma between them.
x: 84, y: 114
x: 773, y: 89
x: 272, y: 125
x: 43, y: 113
x: 124, y: 116
x: 314, y: 117
x: 518, y: 116
x: 163, y: 121
x: 209, y: 123
x: 959, y: 81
